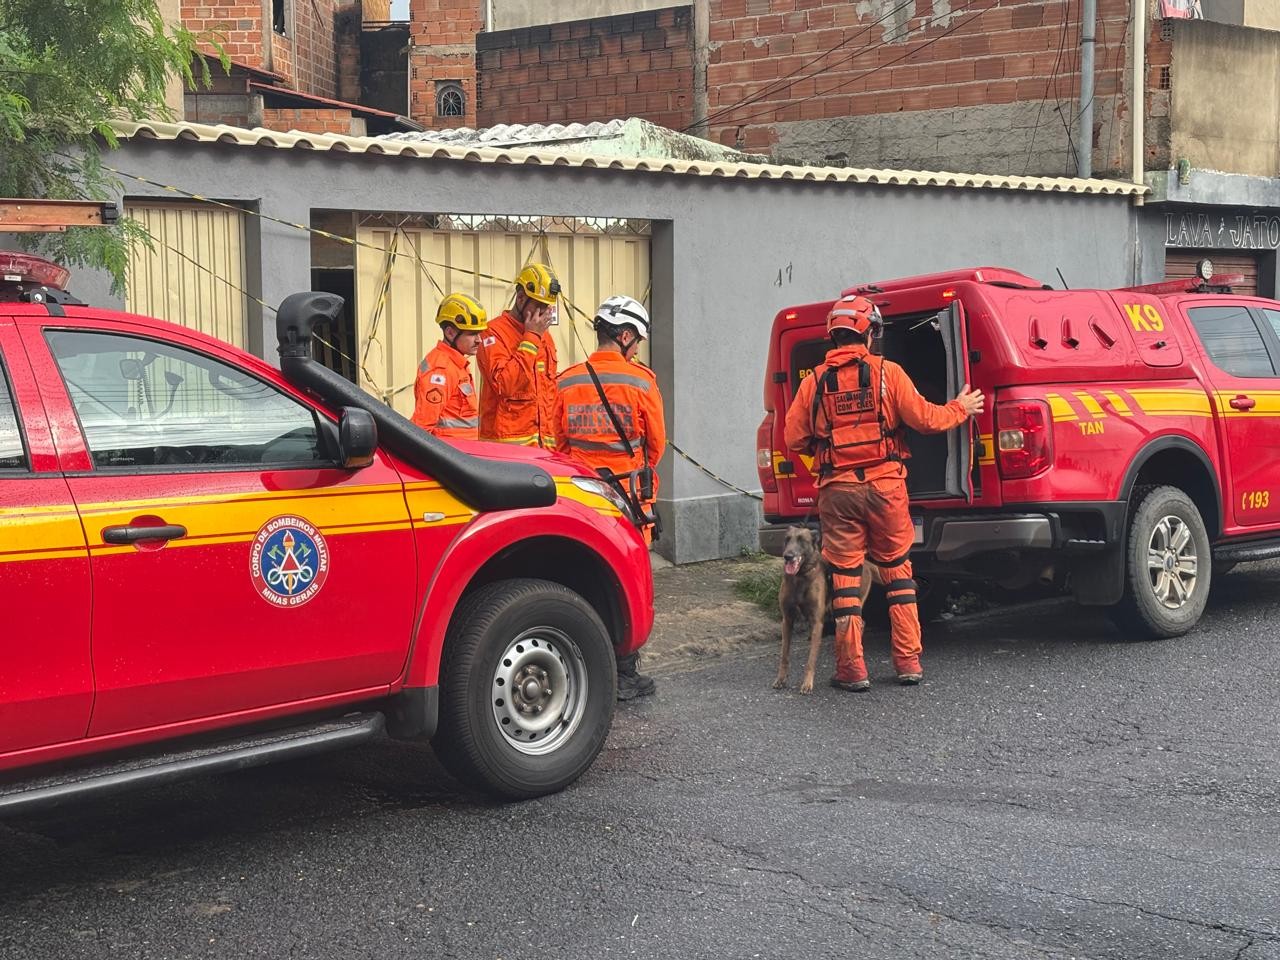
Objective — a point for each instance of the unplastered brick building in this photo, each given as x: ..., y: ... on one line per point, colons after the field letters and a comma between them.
x: 933, y: 84
x: 295, y: 65
x: 989, y: 85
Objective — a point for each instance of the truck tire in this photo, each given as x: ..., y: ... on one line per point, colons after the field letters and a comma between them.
x: 527, y: 688
x: 1168, y: 566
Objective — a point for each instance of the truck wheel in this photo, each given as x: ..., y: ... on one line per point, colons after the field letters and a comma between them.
x: 528, y: 682
x: 1168, y: 565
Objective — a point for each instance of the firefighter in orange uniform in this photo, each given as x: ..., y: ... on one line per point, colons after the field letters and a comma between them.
x: 850, y: 415
x: 444, y: 395
x: 517, y: 362
x: 611, y: 420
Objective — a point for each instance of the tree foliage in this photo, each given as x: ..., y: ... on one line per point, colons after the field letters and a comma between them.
x: 67, y: 69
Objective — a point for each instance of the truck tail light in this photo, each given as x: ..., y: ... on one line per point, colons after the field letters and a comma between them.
x: 1024, y: 438
x: 764, y: 455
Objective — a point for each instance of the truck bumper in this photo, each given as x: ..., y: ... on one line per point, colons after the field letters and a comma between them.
x: 953, y: 535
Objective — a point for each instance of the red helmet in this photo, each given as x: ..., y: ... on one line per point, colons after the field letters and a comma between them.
x: 853, y: 313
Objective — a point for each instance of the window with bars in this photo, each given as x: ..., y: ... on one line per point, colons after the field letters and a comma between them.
x: 451, y: 100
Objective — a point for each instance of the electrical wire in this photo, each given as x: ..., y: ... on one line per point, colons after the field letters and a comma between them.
x: 786, y: 80
x: 1050, y: 82
x: 1071, y: 65
x: 876, y: 69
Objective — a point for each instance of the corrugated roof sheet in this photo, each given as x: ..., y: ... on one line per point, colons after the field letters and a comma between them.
x: 259, y: 137
x: 513, y: 134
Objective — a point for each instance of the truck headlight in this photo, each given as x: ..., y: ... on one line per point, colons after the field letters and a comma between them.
x: 602, y: 489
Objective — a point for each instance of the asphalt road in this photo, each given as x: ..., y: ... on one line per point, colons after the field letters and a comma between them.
x: 1051, y: 790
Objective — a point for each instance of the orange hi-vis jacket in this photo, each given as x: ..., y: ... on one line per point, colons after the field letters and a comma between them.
x: 518, y: 400
x: 585, y: 431
x: 857, y: 436
x: 444, y: 395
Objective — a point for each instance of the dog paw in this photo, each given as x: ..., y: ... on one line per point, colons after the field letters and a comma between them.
x: 806, y: 687
x: 780, y: 683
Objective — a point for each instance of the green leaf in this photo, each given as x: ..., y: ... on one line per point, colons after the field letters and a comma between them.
x: 67, y: 69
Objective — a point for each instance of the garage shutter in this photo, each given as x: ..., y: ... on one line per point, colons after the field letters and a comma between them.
x: 395, y: 337
x: 195, y: 271
x: 1181, y: 264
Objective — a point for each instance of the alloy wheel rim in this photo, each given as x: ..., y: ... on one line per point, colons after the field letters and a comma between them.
x: 1173, y: 567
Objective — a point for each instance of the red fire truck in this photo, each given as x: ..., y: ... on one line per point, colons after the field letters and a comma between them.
x: 207, y: 563
x: 1128, y: 447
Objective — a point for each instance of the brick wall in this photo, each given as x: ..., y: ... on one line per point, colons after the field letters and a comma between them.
x: 235, y: 25
x: 1158, y: 121
x: 348, y: 28
x: 315, y: 55
x: 630, y: 65
x: 306, y: 57
x: 936, y: 82
x: 313, y: 121
x: 442, y: 48
x: 227, y: 100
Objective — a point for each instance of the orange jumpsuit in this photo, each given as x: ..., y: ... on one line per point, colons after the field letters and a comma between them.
x: 518, y: 402
x: 864, y: 510
x: 587, y: 434
x: 444, y: 395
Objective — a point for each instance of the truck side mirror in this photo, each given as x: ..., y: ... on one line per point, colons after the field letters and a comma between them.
x: 357, y: 438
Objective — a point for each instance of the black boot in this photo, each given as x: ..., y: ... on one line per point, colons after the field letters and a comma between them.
x: 631, y: 682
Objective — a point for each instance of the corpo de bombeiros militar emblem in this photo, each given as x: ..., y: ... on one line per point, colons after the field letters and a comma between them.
x: 289, y: 561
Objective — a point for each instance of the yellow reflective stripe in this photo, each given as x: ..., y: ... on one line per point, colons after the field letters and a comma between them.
x: 986, y: 449
x: 221, y: 518
x: 1266, y: 403
x: 1090, y: 404
x: 1117, y: 403
x: 1060, y: 407
x: 1173, y: 403
x: 528, y: 347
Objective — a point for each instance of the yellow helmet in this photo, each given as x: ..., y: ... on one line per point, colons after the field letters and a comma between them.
x: 539, y: 283
x: 463, y: 312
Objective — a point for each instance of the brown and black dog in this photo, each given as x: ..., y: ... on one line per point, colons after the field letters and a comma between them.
x: 805, y: 595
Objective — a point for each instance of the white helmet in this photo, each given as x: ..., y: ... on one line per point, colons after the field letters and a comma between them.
x: 623, y: 311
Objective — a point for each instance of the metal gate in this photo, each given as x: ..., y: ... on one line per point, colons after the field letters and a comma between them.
x: 195, y: 271
x: 1181, y: 265
x: 402, y: 274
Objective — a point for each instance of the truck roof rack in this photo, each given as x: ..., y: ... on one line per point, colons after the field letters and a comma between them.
x: 26, y: 278
x: 54, y: 216
x: 1218, y: 283
x: 997, y: 276
x: 1204, y: 281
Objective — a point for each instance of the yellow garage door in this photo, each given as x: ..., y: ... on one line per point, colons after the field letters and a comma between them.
x: 195, y: 271
x: 403, y: 274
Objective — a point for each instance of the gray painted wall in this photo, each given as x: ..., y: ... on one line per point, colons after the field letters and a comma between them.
x: 727, y: 255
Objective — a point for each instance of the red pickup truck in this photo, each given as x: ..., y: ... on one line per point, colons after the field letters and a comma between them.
x: 207, y: 563
x: 1128, y: 447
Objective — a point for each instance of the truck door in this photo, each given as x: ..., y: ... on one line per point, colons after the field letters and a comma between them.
x: 955, y: 341
x: 1242, y: 348
x: 235, y: 564
x: 46, y: 682
x: 802, y: 350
